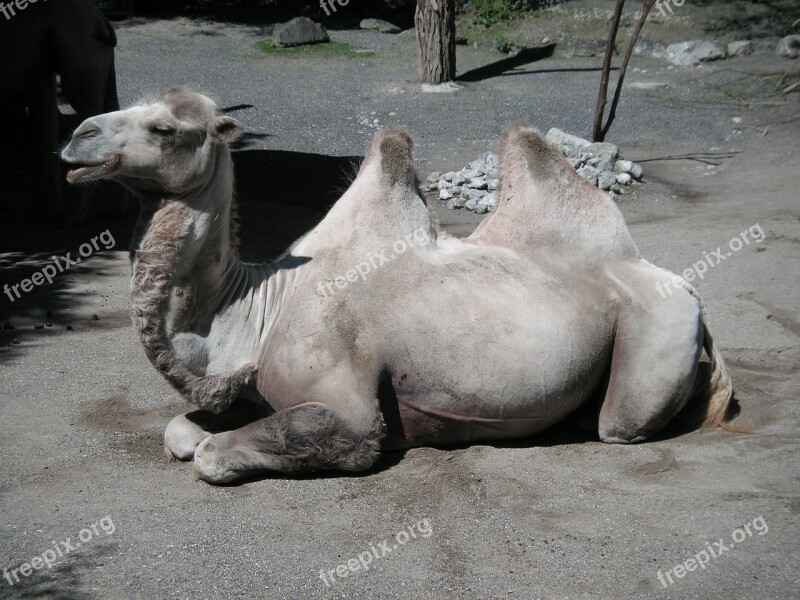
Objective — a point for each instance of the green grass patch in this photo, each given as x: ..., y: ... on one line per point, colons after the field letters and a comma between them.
x: 325, y: 49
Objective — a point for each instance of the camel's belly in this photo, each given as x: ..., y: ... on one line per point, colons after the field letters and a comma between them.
x: 506, y: 361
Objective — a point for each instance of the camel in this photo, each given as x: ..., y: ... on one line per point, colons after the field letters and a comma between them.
x: 70, y: 38
x: 317, y: 362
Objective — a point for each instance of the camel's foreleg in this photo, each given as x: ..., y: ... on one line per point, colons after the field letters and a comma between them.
x: 307, y: 437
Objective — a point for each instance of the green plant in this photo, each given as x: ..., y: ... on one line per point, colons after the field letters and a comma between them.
x: 489, y: 12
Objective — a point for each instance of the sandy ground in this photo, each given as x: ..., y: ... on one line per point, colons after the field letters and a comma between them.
x: 558, y: 516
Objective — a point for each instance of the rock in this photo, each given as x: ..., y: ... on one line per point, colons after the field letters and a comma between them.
x: 476, y: 168
x: 590, y: 174
x: 645, y: 47
x: 606, y: 179
x: 595, y: 162
x: 449, y: 175
x: 607, y: 153
x: 442, y: 88
x: 459, y: 179
x: 471, y: 194
x: 434, y: 177
x: 576, y: 163
x: 623, y: 166
x: 637, y: 172
x: 491, y: 184
x: 455, y: 190
x: 740, y: 48
x: 476, y: 183
x: 424, y: 188
x: 380, y: 25
x: 624, y: 178
x: 299, y: 31
x: 455, y: 203
x: 471, y: 204
x: 693, y: 53
x: 565, y: 141
x: 445, y: 194
x: 789, y: 46
x: 616, y: 188
x: 490, y: 200
x: 481, y: 207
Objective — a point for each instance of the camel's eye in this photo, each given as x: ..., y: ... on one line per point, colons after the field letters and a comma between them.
x: 162, y: 130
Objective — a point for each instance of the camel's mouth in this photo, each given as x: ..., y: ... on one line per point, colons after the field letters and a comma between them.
x: 92, y: 171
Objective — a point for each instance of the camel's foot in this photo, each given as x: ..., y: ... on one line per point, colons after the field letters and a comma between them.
x: 309, y: 437
x: 185, y: 432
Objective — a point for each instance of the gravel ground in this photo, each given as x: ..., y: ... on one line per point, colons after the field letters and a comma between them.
x: 559, y: 516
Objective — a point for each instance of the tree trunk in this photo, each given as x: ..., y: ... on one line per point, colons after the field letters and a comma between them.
x: 435, y: 22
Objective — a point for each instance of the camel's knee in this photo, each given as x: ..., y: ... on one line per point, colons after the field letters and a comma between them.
x: 620, y: 435
x: 182, y: 436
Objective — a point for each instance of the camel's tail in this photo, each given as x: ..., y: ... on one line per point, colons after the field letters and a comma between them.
x: 719, y: 389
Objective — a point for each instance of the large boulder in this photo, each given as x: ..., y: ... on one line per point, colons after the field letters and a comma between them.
x: 380, y: 25
x: 299, y: 31
x: 693, y: 53
x: 789, y: 46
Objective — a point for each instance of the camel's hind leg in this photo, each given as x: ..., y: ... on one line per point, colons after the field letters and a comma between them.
x: 185, y: 432
x: 307, y: 437
x: 656, y: 354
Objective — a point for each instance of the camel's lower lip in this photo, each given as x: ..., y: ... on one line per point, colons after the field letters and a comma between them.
x: 93, y: 171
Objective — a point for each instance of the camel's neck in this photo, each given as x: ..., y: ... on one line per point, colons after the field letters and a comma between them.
x: 187, y: 276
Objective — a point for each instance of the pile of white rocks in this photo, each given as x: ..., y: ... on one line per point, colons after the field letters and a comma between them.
x: 599, y: 163
x: 473, y: 187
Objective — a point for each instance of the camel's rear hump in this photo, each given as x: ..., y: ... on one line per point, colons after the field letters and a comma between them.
x: 543, y: 203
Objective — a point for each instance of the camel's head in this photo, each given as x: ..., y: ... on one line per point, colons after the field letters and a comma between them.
x: 168, y: 145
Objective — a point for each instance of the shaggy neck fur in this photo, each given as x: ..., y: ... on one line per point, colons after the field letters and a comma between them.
x: 186, y: 276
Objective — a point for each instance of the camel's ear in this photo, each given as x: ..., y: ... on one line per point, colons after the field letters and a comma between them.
x: 225, y: 129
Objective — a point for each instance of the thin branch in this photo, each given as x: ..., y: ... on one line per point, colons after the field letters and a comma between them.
x: 647, y: 5
x: 602, y: 96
